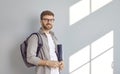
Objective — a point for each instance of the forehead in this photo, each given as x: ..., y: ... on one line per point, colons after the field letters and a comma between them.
x: 48, y: 16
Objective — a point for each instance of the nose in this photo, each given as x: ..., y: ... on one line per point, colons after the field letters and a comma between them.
x: 49, y: 20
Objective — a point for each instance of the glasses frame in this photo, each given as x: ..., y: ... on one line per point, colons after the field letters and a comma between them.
x: 48, y: 20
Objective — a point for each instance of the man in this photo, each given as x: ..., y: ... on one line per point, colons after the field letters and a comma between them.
x: 47, y: 60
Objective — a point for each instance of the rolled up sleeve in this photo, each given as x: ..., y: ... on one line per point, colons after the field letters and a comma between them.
x: 32, y: 49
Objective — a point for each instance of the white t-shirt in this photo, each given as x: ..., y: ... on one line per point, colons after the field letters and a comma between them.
x: 53, y: 55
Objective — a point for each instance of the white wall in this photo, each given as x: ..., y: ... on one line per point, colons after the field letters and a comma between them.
x: 19, y: 18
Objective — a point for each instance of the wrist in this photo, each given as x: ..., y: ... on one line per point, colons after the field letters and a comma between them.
x: 46, y: 63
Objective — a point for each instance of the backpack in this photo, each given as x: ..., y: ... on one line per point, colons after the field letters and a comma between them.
x: 23, y: 49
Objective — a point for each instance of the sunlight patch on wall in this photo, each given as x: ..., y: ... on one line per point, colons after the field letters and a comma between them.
x: 84, y: 8
x: 102, y: 44
x: 79, y: 11
x: 83, y: 70
x: 97, y: 4
x: 95, y: 58
x: 103, y: 64
x: 79, y: 58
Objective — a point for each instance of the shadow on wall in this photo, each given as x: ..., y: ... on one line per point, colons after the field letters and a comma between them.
x: 17, y: 63
x: 16, y: 60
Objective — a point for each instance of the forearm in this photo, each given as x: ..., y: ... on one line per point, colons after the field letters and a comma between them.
x: 49, y: 63
x: 43, y: 63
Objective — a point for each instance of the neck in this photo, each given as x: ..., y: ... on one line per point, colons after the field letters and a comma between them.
x: 46, y: 31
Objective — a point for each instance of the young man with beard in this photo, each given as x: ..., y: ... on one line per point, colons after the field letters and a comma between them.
x: 47, y: 60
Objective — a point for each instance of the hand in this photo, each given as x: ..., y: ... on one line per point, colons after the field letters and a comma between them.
x: 54, y: 64
x: 61, y: 65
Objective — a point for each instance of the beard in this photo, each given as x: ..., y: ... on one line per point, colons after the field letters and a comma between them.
x: 47, y: 26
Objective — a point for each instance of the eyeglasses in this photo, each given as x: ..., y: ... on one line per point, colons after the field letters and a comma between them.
x: 47, y: 20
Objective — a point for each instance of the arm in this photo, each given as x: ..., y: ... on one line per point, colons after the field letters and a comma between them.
x: 31, y: 54
x: 32, y: 49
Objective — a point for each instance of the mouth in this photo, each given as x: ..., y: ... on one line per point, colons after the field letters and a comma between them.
x: 48, y: 24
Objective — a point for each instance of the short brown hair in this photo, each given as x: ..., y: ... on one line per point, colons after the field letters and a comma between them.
x: 46, y: 12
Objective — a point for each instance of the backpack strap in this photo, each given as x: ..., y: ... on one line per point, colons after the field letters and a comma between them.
x: 40, y: 43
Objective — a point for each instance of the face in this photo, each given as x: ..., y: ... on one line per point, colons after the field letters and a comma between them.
x: 47, y: 22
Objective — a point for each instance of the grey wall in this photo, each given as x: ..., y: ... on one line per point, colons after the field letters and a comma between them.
x: 19, y: 18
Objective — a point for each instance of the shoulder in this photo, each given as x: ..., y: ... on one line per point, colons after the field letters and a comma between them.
x: 33, y: 37
x: 52, y: 33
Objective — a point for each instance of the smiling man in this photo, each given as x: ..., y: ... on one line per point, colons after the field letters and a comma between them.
x: 47, y: 60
